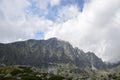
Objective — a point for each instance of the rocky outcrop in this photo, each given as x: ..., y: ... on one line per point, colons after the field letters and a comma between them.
x: 45, y: 53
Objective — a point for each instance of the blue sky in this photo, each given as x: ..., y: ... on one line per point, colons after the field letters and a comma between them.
x: 52, y: 11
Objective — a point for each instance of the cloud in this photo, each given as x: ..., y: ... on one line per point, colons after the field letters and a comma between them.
x: 44, y: 4
x: 54, y: 2
x: 67, y: 13
x: 16, y: 25
x: 95, y: 29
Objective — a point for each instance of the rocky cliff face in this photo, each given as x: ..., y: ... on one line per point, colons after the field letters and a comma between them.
x: 45, y: 53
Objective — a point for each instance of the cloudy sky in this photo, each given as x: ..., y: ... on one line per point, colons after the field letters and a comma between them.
x: 91, y: 25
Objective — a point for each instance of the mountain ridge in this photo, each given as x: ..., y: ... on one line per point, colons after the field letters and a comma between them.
x: 42, y: 53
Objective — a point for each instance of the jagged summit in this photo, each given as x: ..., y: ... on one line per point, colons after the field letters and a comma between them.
x: 45, y: 53
x: 54, y: 38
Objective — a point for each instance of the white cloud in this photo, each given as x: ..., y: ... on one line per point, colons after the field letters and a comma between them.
x: 54, y: 2
x: 15, y: 24
x: 44, y: 4
x: 67, y: 12
x: 96, y: 29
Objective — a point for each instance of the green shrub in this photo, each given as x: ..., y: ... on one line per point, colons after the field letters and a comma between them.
x: 29, y: 77
x: 26, y: 69
x: 56, y: 78
x: 16, y: 72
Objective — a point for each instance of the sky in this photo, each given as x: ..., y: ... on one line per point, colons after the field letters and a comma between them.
x: 91, y: 25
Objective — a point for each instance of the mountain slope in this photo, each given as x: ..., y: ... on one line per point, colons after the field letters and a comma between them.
x: 46, y: 53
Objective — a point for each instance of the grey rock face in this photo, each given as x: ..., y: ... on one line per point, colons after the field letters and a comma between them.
x: 45, y: 53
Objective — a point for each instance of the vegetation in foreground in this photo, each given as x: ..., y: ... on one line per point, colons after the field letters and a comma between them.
x: 31, y: 73
x: 26, y: 73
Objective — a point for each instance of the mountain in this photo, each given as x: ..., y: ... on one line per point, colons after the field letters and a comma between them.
x: 47, y: 53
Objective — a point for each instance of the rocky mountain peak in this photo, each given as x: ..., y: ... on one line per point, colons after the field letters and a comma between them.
x: 45, y: 53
